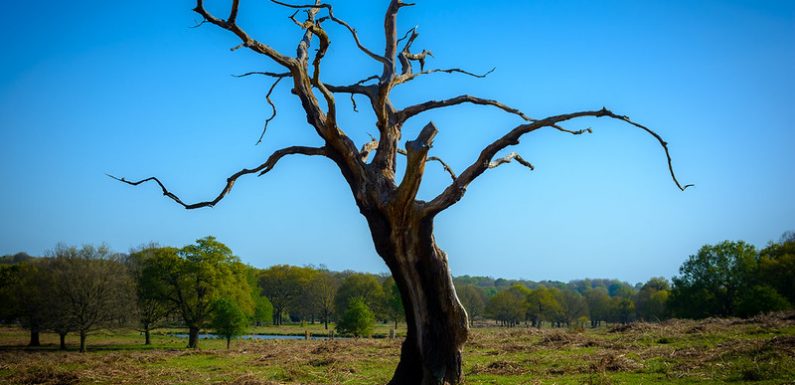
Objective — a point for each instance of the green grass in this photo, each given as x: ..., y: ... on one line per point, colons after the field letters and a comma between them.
x: 759, y: 351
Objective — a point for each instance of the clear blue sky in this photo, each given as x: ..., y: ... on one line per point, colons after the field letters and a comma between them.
x: 126, y: 87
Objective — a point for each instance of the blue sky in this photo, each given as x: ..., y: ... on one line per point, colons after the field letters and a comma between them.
x: 126, y: 87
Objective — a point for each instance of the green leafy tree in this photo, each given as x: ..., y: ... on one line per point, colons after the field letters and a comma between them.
x: 282, y: 285
x: 598, y: 301
x: 509, y: 306
x: 760, y: 299
x: 263, y: 310
x: 651, y: 302
x: 473, y: 299
x: 542, y: 306
x: 150, y: 291
x: 573, y: 306
x: 357, y: 320
x: 198, y: 275
x: 393, y: 305
x: 711, y: 282
x: 358, y: 285
x: 777, y: 266
x: 25, y: 291
x: 228, y: 319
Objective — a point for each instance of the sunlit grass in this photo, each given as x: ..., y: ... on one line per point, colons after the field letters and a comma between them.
x: 760, y: 351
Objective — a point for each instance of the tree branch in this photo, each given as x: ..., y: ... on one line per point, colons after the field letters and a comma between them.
x: 508, y: 158
x: 411, y: 76
x: 341, y: 22
x: 411, y: 111
x: 230, y: 182
x: 454, y: 192
x: 273, y: 109
x: 416, y: 157
x: 231, y: 25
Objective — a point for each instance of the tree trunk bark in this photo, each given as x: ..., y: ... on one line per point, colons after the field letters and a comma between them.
x: 147, y: 337
x: 62, y: 337
x: 437, y: 324
x: 82, y: 341
x: 34, y: 337
x: 228, y: 341
x: 193, y: 337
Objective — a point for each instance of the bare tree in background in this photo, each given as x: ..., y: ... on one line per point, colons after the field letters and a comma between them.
x: 401, y: 225
x: 94, y: 285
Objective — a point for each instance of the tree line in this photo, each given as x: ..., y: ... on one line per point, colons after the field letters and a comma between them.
x: 204, y: 286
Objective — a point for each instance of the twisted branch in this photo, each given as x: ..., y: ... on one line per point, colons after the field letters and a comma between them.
x: 454, y: 192
x: 230, y: 182
x: 231, y: 25
x: 341, y: 22
x: 273, y: 109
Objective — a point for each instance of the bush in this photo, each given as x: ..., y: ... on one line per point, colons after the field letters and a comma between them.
x: 357, y: 320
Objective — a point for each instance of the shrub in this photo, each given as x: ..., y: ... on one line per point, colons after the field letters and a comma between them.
x: 357, y: 320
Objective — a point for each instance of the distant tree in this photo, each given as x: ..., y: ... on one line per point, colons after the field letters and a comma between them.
x: 8, y: 275
x: 324, y: 286
x: 228, y: 319
x: 598, y: 305
x: 263, y: 310
x: 760, y: 299
x: 393, y: 306
x: 473, y: 300
x: 357, y: 320
x: 25, y: 296
x: 777, y: 266
x: 573, y: 306
x: 622, y: 309
x: 710, y: 282
x: 198, y: 275
x: 651, y: 302
x: 282, y: 285
x: 358, y: 285
x: 508, y: 306
x: 94, y: 284
x: 15, y: 258
x: 542, y: 305
x: 151, y: 292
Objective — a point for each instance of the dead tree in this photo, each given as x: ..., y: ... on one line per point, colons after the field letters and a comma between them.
x: 401, y: 225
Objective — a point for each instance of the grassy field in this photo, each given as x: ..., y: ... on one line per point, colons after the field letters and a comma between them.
x: 758, y: 351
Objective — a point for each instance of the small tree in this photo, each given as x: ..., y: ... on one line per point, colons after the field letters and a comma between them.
x: 263, y: 310
x: 229, y: 320
x: 150, y: 291
x: 357, y: 320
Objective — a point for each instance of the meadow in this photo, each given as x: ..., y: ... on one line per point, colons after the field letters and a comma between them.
x: 760, y: 350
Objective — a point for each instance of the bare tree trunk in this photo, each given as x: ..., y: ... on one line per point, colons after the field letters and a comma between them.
x: 82, y: 341
x: 228, y: 341
x: 62, y: 337
x: 147, y: 337
x: 34, y: 337
x: 437, y: 324
x: 193, y: 337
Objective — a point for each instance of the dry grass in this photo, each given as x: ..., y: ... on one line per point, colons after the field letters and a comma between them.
x: 760, y: 350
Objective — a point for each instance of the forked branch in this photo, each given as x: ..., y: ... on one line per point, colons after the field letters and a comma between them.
x: 230, y: 24
x: 341, y: 22
x: 230, y: 182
